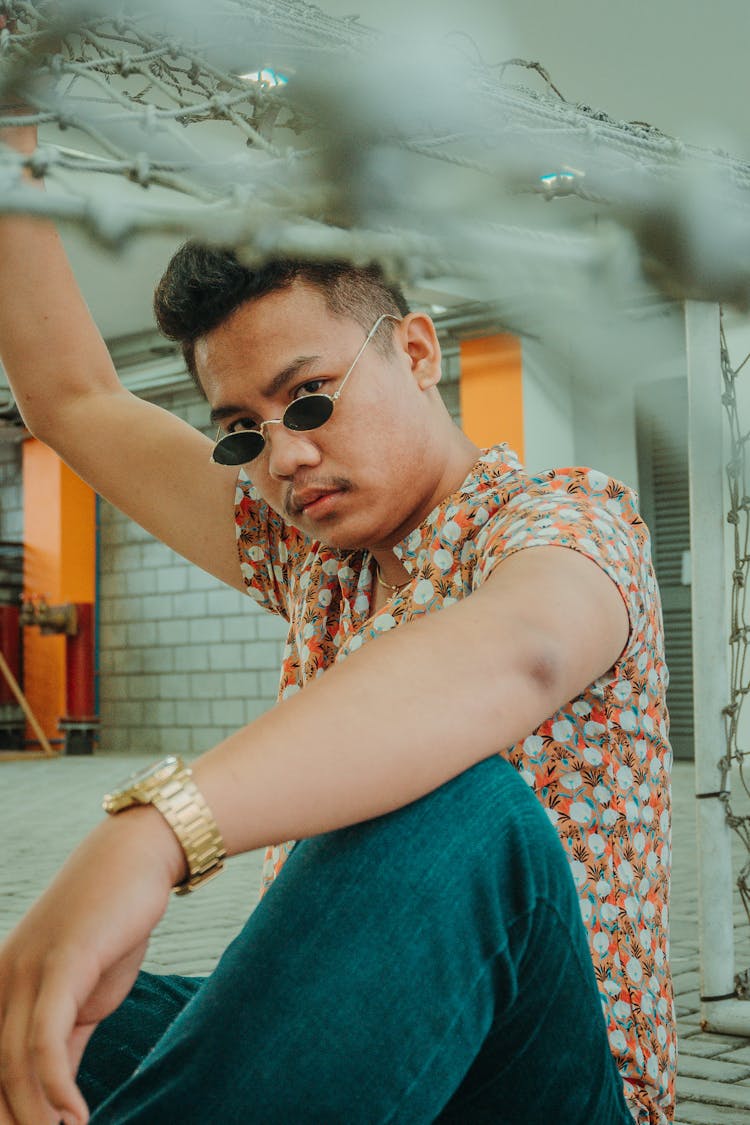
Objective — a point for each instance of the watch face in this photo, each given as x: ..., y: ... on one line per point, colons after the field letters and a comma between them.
x: 166, y: 765
x: 161, y: 770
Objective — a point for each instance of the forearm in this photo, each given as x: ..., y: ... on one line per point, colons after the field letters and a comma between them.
x: 390, y: 724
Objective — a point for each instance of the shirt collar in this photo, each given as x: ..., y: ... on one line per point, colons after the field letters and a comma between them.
x: 494, y: 466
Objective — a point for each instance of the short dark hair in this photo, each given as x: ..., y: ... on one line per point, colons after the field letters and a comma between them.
x: 202, y: 286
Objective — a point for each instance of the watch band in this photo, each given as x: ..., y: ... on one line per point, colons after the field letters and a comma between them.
x: 170, y: 788
x: 183, y: 806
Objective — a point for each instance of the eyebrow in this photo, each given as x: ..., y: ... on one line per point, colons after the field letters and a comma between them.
x: 277, y: 384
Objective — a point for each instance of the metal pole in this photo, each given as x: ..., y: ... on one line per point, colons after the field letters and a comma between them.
x: 710, y: 652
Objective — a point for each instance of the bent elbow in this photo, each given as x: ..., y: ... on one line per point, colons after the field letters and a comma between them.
x: 545, y: 670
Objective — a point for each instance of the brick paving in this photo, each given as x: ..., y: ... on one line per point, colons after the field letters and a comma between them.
x: 47, y: 806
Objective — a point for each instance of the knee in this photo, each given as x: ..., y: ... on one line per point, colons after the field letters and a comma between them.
x: 509, y: 824
x: 484, y: 826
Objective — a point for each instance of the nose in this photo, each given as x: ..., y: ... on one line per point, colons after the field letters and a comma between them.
x: 289, y: 450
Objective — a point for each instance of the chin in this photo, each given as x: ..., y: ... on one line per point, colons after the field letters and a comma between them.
x: 341, y: 542
x: 339, y: 538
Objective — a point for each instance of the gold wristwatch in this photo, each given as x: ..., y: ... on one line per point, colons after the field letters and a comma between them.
x: 170, y: 788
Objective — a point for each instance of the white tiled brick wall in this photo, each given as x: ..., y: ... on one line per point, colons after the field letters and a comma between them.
x: 11, y: 495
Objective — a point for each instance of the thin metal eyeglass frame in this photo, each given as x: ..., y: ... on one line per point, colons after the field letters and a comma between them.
x: 332, y: 399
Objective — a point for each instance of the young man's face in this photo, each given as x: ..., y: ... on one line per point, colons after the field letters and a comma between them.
x: 367, y: 475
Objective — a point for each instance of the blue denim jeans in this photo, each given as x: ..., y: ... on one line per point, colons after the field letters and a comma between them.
x: 429, y: 965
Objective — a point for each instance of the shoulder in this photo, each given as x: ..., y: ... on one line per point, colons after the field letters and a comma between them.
x: 583, y: 484
x: 561, y: 499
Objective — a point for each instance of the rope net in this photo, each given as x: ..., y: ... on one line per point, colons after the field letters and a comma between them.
x: 269, y: 126
x: 737, y: 755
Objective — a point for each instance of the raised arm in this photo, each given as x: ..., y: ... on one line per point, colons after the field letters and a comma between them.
x: 147, y: 462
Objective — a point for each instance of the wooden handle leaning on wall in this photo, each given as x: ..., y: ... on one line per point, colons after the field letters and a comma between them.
x: 23, y: 704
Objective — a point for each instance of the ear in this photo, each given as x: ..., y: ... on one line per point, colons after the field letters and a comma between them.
x: 423, y: 348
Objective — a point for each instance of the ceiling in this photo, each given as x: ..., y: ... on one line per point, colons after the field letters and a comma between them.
x: 678, y: 64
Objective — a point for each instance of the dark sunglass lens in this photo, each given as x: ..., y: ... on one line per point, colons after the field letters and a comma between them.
x: 308, y: 413
x: 239, y: 448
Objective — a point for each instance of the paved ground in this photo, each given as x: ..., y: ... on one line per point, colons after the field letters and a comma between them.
x: 46, y: 807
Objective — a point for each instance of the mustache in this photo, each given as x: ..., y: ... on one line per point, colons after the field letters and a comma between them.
x: 292, y: 507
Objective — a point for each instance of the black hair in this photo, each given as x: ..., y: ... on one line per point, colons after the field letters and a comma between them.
x: 202, y: 286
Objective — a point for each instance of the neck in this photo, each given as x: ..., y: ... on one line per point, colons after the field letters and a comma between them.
x: 464, y: 455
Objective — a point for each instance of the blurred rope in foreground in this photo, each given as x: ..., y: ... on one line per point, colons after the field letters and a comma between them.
x: 268, y: 125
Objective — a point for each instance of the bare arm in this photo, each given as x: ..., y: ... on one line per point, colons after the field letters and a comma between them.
x: 135, y: 454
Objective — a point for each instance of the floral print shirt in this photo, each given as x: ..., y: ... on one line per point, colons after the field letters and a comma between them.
x: 600, y: 765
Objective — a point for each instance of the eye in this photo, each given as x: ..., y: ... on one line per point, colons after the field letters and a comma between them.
x: 311, y: 388
x: 241, y: 424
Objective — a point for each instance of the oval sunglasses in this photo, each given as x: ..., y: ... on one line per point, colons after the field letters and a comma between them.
x: 306, y: 413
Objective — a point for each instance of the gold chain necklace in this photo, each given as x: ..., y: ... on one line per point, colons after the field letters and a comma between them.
x: 388, y: 585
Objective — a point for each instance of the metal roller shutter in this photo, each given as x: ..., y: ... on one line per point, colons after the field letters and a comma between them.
x: 662, y: 415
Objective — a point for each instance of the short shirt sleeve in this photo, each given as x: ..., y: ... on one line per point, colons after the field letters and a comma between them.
x: 267, y: 547
x: 585, y: 511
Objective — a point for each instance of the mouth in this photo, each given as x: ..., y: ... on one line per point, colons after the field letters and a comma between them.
x: 316, y: 503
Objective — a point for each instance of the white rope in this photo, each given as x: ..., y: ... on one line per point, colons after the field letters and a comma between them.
x: 367, y: 137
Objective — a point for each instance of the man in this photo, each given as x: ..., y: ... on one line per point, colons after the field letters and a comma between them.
x: 419, y: 954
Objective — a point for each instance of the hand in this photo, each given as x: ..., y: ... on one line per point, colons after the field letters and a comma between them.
x: 73, y: 959
x: 21, y: 138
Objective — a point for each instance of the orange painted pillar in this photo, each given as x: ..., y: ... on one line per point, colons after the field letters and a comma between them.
x: 59, y: 566
x: 491, y: 391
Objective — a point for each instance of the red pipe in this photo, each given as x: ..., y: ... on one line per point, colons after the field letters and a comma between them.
x: 79, y: 666
x: 10, y: 646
